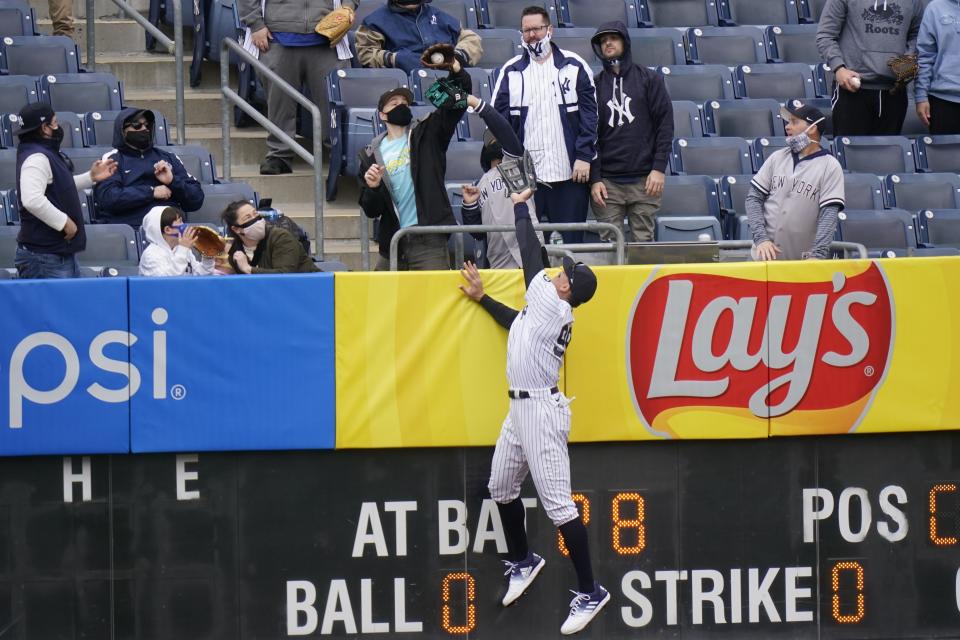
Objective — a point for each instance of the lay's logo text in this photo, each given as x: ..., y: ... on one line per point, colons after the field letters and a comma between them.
x: 813, y: 353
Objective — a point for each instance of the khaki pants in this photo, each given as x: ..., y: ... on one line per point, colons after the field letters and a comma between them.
x: 298, y: 66
x: 631, y: 202
x: 61, y: 13
x: 419, y: 253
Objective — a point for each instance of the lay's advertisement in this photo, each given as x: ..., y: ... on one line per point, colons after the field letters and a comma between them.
x: 741, y: 350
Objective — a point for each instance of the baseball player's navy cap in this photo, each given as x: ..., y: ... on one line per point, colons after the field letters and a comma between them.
x: 399, y: 91
x: 805, y: 112
x: 583, y: 282
x: 33, y: 116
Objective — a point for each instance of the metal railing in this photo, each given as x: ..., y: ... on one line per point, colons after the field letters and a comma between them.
x: 174, y: 46
x: 846, y: 247
x: 617, y: 246
x: 232, y: 97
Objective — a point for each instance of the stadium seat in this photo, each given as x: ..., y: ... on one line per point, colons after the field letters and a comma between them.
x: 940, y: 228
x: 16, y: 18
x: 939, y: 153
x: 463, y: 10
x: 81, y: 92
x: 698, y: 83
x: 742, y: 118
x: 678, y: 13
x: 500, y: 45
x: 793, y: 43
x: 862, y: 191
x: 223, y: 21
x: 8, y: 246
x: 877, y: 229
x: 83, y: 157
x: 689, y: 196
x: 687, y: 121
x: 472, y: 126
x: 578, y: 41
x: 686, y: 229
x: 110, y: 245
x: 365, y: 8
x: 733, y: 196
x: 875, y: 154
x: 99, y: 126
x: 824, y: 78
x: 711, y: 156
x: 10, y: 205
x: 72, y: 127
x: 726, y: 45
x: 916, y: 191
x: 16, y: 92
x: 196, y: 160
x: 763, y: 147
x: 810, y: 10
x: 216, y: 197
x: 8, y: 168
x: 657, y: 47
x: 913, y: 126
x: 593, y: 13
x: 36, y: 55
x: 463, y: 162
x: 777, y: 81
x: 505, y: 14
x: 762, y: 12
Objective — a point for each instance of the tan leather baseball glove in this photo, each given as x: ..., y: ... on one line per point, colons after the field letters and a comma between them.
x: 335, y: 24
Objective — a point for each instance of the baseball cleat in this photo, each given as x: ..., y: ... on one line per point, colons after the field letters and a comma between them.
x: 520, y: 576
x: 583, y: 608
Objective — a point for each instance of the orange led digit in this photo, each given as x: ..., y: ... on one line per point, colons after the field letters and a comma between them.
x: 584, y: 504
x: 471, y: 589
x: 636, y: 523
x: 935, y: 538
x: 835, y: 583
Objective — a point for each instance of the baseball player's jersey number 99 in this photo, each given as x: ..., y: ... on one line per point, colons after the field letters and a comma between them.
x: 563, y: 340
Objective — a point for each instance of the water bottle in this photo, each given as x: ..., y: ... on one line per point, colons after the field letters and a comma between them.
x: 556, y: 238
x: 266, y: 210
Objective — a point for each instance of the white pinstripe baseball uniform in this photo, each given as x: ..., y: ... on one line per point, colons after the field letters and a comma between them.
x: 534, y: 434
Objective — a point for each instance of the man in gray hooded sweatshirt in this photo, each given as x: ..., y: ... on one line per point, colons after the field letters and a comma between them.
x: 857, y: 38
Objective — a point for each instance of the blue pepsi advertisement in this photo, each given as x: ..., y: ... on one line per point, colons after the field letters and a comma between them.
x: 233, y: 363
x: 65, y: 376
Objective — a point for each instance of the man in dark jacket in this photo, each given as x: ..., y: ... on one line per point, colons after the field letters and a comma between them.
x: 396, y: 34
x: 51, y: 220
x: 146, y: 176
x: 634, y: 131
x: 402, y: 177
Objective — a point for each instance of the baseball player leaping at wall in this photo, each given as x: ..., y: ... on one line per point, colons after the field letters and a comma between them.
x: 534, y: 434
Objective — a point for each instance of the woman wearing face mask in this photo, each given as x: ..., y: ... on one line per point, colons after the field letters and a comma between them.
x: 146, y: 177
x: 794, y: 199
x: 402, y: 176
x: 258, y: 248
x: 51, y: 220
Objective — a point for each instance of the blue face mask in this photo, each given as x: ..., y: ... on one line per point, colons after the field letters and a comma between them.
x: 181, y: 228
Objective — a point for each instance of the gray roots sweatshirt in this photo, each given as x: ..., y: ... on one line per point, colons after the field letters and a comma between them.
x: 863, y: 35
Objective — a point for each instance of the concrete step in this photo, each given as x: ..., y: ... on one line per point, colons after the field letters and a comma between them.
x: 290, y: 188
x: 142, y: 70
x: 338, y: 223
x: 202, y: 107
x: 102, y: 8
x: 112, y: 34
x: 248, y: 145
x: 348, y: 252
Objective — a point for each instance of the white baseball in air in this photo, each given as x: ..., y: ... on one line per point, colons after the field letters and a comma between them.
x: 855, y: 81
x: 436, y: 58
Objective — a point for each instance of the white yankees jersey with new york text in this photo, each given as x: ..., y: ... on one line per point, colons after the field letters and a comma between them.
x: 539, y: 337
x: 796, y: 190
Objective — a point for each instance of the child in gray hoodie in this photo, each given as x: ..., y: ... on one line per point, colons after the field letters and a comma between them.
x: 857, y: 38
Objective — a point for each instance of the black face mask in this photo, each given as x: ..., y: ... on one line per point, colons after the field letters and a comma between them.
x: 138, y: 139
x: 56, y: 137
x: 400, y: 115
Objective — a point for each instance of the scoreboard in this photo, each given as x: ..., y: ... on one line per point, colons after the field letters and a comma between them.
x: 818, y: 537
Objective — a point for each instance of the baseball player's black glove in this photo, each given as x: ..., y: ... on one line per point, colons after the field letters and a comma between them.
x: 447, y: 94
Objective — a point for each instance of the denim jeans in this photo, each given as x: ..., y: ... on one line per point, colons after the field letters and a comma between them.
x: 31, y: 264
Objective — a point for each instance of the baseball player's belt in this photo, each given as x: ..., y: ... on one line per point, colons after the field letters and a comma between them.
x: 520, y: 394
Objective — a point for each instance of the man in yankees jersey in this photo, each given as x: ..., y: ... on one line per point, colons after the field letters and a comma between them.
x: 534, y: 433
x: 795, y: 198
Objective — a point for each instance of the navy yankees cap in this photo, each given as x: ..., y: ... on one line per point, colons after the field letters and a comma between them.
x: 583, y: 282
x: 805, y: 112
x: 33, y: 116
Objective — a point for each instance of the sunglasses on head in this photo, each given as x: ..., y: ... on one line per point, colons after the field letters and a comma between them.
x: 138, y: 126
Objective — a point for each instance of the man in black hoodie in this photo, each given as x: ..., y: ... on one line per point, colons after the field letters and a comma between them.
x: 634, y: 131
x: 146, y: 176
